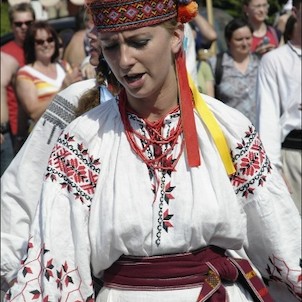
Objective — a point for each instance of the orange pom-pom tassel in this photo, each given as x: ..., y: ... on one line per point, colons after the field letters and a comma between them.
x: 187, y: 12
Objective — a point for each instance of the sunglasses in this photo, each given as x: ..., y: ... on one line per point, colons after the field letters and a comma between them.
x: 42, y: 42
x: 19, y: 24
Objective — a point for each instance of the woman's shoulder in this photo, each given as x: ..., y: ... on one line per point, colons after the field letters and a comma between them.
x: 26, y: 70
x: 96, y: 120
x: 75, y: 90
x: 229, y: 118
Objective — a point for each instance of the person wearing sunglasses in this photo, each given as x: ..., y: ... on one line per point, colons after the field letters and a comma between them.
x: 265, y: 37
x: 20, y: 16
x: 42, y: 77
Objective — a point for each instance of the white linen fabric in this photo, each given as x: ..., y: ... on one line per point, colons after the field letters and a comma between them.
x: 279, y: 98
x: 99, y: 201
x: 279, y: 105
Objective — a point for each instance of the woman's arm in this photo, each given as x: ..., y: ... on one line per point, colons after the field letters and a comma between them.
x: 28, y: 97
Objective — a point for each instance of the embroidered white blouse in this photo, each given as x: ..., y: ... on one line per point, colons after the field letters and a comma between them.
x: 99, y: 201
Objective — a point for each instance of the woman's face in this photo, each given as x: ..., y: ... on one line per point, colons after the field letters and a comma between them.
x: 257, y: 10
x: 44, y: 45
x: 241, y: 41
x: 142, y: 59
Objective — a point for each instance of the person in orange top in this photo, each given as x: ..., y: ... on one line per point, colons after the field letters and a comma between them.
x: 42, y: 77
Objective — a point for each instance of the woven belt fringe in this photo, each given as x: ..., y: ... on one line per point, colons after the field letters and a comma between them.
x: 207, y: 268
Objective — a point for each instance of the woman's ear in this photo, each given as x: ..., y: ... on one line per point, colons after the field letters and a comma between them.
x: 177, y: 39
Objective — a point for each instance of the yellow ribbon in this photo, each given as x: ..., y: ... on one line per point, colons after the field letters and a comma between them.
x: 210, y: 121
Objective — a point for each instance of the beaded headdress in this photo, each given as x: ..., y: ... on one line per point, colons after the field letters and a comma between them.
x: 117, y: 15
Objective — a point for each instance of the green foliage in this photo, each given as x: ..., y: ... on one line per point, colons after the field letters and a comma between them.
x: 234, y: 7
x: 5, y: 26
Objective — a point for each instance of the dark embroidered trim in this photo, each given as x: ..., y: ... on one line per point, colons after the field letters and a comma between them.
x: 60, y: 113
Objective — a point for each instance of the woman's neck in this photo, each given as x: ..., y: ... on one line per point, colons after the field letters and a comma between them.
x: 241, y: 61
x: 43, y: 63
x: 153, y: 111
x: 47, y: 68
x: 158, y: 105
x: 260, y: 29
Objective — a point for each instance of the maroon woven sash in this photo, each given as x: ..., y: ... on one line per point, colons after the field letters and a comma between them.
x: 207, y: 268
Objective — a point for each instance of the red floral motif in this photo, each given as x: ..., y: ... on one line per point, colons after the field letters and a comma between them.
x: 248, y: 191
x: 166, y: 223
x: 75, y: 170
x: 168, y: 190
x: 251, y: 163
x: 237, y: 181
x: 65, y: 267
x: 36, y: 294
x: 278, y: 268
x: 68, y: 280
x: 27, y: 270
x: 71, y: 164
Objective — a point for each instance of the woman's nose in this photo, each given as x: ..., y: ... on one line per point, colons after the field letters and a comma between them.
x: 126, y: 58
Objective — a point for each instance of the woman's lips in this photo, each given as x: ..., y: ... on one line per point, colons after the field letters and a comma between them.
x: 136, y: 80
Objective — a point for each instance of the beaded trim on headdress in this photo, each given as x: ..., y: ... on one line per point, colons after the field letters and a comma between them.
x: 119, y: 15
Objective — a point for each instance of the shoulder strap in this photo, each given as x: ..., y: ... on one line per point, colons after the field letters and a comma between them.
x: 275, y: 32
x: 218, y: 68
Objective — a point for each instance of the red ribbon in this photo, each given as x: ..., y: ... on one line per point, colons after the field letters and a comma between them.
x: 187, y: 112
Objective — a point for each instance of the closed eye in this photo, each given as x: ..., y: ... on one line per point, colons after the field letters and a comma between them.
x: 139, y: 43
x: 111, y: 47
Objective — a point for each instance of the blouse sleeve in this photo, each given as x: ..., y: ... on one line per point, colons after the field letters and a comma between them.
x: 273, y: 231
x: 22, y: 181
x: 58, y: 253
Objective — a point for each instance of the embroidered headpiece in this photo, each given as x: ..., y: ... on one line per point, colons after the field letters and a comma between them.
x: 119, y: 15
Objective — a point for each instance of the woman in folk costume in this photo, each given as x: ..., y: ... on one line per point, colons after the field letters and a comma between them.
x: 159, y: 191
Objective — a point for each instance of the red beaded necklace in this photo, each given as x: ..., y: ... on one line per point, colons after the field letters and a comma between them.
x: 163, y: 147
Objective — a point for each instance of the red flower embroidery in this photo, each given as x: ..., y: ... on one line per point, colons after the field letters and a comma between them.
x: 166, y: 223
x: 250, y: 164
